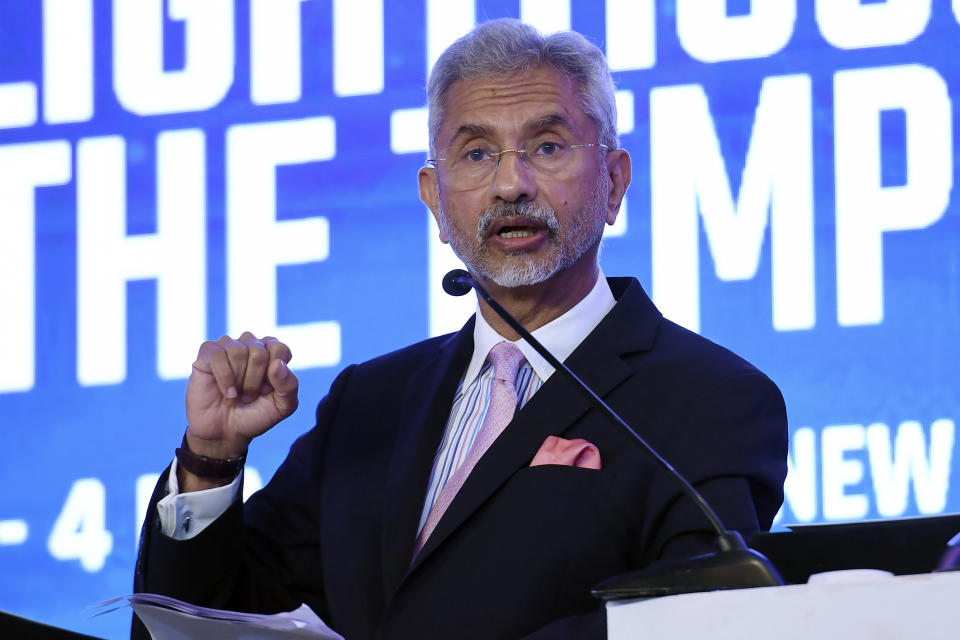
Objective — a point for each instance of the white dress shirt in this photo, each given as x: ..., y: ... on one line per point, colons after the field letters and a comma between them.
x: 183, y: 516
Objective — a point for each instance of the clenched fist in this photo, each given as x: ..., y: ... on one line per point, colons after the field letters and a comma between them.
x: 238, y: 390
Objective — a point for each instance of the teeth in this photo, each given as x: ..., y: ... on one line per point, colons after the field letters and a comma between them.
x: 519, y: 233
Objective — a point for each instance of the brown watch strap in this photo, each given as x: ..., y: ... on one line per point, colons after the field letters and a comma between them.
x: 204, y: 467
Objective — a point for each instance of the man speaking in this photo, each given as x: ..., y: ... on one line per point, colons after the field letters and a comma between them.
x: 458, y: 488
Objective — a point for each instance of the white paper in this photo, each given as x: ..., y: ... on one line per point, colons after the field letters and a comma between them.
x: 171, y: 619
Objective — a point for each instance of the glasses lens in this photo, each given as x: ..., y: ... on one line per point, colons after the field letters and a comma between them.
x: 475, y: 165
x: 472, y: 164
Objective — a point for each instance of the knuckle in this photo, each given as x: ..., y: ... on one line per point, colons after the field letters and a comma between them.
x: 209, y: 346
x: 210, y: 354
x: 255, y: 342
x: 257, y: 355
x: 277, y: 349
x: 236, y: 349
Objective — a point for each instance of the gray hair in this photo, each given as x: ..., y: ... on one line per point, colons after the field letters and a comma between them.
x: 506, y: 47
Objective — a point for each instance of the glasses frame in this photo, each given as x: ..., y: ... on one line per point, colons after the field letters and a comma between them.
x: 521, y: 152
x: 434, y: 162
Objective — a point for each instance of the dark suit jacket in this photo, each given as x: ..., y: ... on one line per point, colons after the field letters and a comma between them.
x: 519, y: 547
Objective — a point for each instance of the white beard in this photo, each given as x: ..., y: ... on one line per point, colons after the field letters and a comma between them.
x: 568, y: 245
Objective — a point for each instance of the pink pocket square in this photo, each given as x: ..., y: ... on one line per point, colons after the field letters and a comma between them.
x: 571, y: 453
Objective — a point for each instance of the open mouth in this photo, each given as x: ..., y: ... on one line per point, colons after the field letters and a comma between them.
x: 516, y: 232
x: 515, y: 227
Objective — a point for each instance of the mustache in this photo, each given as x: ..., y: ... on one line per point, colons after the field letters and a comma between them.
x: 541, y: 214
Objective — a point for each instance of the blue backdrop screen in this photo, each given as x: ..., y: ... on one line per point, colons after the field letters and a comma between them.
x: 171, y: 171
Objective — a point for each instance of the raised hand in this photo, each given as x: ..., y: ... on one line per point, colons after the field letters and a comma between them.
x: 239, y: 389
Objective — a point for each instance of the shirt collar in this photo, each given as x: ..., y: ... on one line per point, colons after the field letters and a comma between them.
x: 561, y: 335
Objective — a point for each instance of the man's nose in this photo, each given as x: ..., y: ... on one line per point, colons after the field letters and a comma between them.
x: 515, y: 179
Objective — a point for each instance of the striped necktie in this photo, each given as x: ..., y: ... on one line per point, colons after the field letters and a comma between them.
x: 506, y: 359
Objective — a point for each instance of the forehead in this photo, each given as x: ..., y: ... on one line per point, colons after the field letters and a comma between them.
x: 512, y: 105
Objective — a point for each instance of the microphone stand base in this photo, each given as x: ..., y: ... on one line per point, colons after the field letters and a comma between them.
x: 731, y: 569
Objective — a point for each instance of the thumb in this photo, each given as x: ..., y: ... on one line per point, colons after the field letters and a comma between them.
x: 285, y: 386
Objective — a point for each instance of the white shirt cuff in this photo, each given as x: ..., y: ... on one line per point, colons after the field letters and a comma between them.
x: 184, y: 515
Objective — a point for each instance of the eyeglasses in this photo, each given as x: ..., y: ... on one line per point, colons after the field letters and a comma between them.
x: 477, y: 163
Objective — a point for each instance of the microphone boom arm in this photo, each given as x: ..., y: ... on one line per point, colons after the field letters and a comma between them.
x: 735, y: 566
x: 465, y: 279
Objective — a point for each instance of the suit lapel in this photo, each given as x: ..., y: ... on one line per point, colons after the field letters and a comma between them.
x: 629, y: 327
x: 421, y: 422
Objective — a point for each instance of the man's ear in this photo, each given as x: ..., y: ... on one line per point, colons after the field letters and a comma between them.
x: 427, y: 179
x: 620, y: 170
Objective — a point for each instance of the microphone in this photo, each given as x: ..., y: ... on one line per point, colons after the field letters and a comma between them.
x: 457, y: 283
x: 735, y: 566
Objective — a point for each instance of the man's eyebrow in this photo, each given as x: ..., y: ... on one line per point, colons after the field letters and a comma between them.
x: 475, y: 130
x: 551, y: 121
